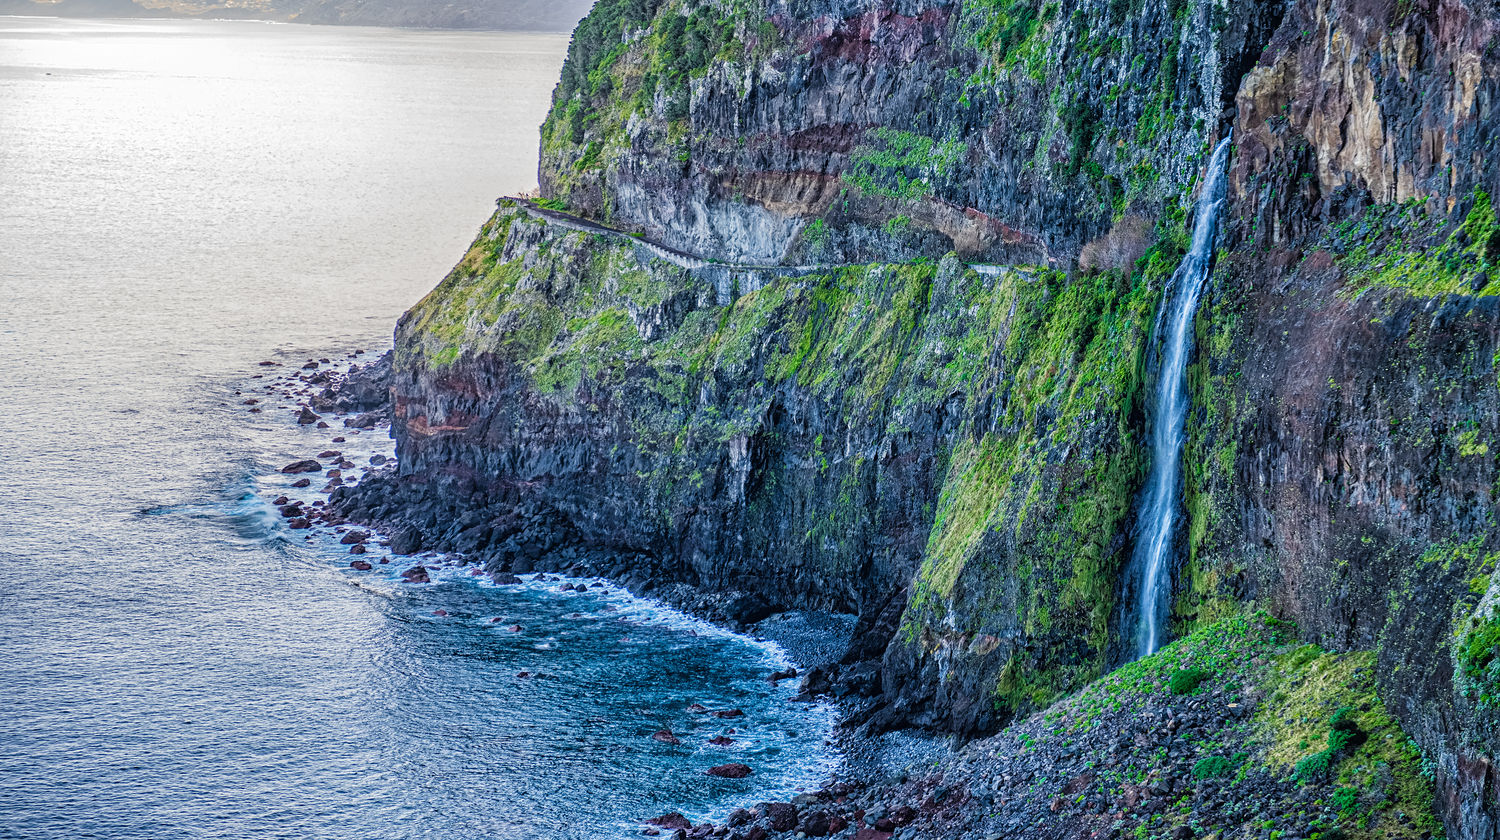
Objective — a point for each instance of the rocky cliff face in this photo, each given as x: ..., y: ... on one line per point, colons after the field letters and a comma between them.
x: 953, y: 453
x: 1005, y: 130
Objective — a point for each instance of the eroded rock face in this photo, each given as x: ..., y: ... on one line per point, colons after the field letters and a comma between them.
x: 1347, y: 386
x: 889, y: 129
x: 1358, y: 102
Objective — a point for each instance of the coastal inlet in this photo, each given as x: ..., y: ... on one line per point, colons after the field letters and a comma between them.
x: 566, y: 704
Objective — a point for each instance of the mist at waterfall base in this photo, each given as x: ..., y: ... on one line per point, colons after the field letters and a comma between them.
x: 1161, y: 498
x: 180, y: 201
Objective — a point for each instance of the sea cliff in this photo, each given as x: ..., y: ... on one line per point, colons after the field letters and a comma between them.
x: 867, y: 325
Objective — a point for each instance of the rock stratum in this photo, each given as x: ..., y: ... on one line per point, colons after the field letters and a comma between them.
x: 882, y: 340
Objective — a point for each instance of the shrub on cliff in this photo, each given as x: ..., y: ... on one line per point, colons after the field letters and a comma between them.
x: 1186, y: 680
x: 1344, y: 736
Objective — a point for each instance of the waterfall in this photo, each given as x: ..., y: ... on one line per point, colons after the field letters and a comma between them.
x: 1161, y: 500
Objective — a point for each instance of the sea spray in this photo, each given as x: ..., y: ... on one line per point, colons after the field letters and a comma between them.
x: 1161, y: 498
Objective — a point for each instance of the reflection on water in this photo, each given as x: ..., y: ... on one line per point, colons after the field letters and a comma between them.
x: 178, y: 201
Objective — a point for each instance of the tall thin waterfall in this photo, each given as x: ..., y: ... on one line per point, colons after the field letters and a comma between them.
x: 1161, y: 499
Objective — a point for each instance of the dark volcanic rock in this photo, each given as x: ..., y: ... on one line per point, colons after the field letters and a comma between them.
x: 816, y: 824
x: 733, y: 770
x: 368, y: 420
x: 407, y: 540
x: 671, y: 821
x: 306, y: 417
x: 665, y: 736
x: 416, y: 574
x: 303, y: 467
x: 366, y: 388
x: 781, y: 816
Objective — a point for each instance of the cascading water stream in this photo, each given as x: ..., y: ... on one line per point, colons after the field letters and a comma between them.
x: 1161, y: 499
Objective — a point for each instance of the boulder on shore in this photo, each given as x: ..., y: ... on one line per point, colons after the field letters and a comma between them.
x: 406, y: 540
x: 416, y: 574
x: 305, y: 466
x: 368, y: 420
x: 306, y: 417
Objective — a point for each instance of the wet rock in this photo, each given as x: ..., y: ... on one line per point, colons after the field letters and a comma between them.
x: 665, y: 736
x: 782, y: 816
x: 671, y: 821
x: 815, y: 824
x: 299, y: 523
x: 378, y: 460
x: 406, y: 540
x: 721, y: 740
x: 729, y: 713
x: 732, y: 770
x: 311, y: 365
x: 328, y: 454
x: 357, y: 549
x: 361, y: 565
x: 504, y: 579
x: 302, y: 482
x: 416, y: 574
x: 440, y: 613
x: 280, y: 500
x: 306, y: 417
x: 354, y: 537
x: 290, y: 510
x: 368, y: 420
x: 306, y: 466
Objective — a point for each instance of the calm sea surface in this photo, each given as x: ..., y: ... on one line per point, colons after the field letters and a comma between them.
x: 177, y: 202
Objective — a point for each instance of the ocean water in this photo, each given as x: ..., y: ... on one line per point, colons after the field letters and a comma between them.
x: 179, y: 201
